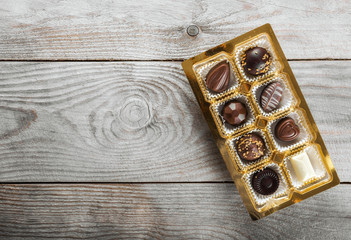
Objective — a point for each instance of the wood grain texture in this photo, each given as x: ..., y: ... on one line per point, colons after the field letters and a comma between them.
x: 120, y: 30
x: 163, y: 211
x: 135, y: 121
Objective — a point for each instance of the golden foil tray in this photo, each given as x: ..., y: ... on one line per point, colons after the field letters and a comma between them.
x: 278, y: 156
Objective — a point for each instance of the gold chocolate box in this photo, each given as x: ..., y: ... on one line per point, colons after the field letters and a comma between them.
x: 270, y: 143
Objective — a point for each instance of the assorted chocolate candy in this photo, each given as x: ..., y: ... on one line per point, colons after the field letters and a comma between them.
x: 271, y: 96
x: 256, y: 61
x: 265, y: 182
x: 287, y: 130
x: 218, y: 77
x: 234, y: 112
x: 250, y: 147
x: 302, y: 166
x: 262, y: 125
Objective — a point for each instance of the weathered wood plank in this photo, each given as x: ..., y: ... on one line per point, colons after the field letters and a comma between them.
x: 163, y: 211
x: 135, y: 121
x: 88, y: 29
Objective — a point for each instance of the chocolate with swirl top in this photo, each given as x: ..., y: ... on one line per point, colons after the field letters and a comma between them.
x: 286, y: 130
x: 265, y: 182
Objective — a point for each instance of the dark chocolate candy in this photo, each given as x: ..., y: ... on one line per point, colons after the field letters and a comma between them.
x: 250, y: 147
x: 218, y: 77
x: 271, y: 96
x: 265, y: 182
x: 256, y: 61
x: 286, y: 130
x: 234, y: 112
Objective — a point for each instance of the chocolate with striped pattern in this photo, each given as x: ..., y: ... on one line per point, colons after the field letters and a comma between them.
x: 218, y: 77
x: 271, y: 96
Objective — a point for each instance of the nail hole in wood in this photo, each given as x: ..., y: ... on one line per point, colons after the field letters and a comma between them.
x: 193, y: 30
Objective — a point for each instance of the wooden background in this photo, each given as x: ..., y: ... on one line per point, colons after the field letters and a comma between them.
x: 101, y: 136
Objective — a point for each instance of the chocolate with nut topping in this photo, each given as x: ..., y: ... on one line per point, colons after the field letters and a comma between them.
x: 250, y: 147
x: 256, y: 61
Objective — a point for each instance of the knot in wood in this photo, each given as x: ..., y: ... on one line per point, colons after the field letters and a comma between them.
x: 135, y: 112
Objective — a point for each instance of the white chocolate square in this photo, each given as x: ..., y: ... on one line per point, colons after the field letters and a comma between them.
x: 302, y: 166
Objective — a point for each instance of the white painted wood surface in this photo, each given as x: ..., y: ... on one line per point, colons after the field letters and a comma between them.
x: 163, y: 211
x: 138, y: 121
x: 135, y: 121
x: 144, y: 30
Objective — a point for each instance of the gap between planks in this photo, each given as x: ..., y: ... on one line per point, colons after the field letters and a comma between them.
x: 154, y: 60
x: 122, y: 183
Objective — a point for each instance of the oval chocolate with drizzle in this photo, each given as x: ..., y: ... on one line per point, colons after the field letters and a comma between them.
x: 218, y: 77
x: 271, y: 96
x: 286, y: 130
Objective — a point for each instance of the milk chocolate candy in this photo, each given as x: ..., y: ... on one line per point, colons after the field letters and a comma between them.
x: 286, y: 130
x: 271, y: 96
x: 218, y: 77
x: 234, y: 112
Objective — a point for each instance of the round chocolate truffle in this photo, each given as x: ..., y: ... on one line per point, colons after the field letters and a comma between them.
x: 218, y: 77
x: 234, y: 112
x: 265, y: 182
x: 286, y: 130
x: 256, y: 61
x: 250, y: 147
